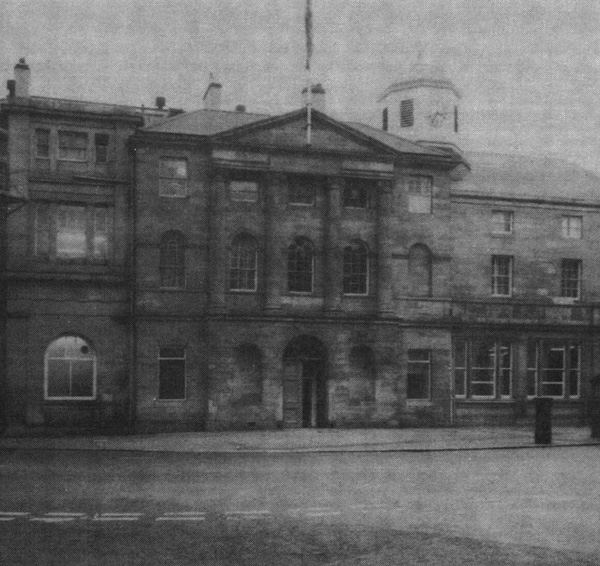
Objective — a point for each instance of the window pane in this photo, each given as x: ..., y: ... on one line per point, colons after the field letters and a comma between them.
x: 172, y: 260
x: 483, y: 355
x: 242, y: 271
x: 570, y: 278
x: 501, y: 275
x: 459, y: 382
x: 482, y: 389
x: 459, y: 353
x: 42, y: 231
x: 58, y: 378
x: 356, y: 193
x: 301, y: 190
x: 244, y: 191
x: 71, y: 240
x: 172, y: 177
x: 82, y: 378
x: 572, y: 227
x: 101, y: 148
x: 502, y: 221
x: 42, y: 147
x: 420, y: 191
x: 552, y: 390
x: 172, y: 353
x: 355, y: 269
x: 300, y: 267
x: 417, y: 386
x: 102, y: 233
x: 72, y: 146
x: 172, y: 379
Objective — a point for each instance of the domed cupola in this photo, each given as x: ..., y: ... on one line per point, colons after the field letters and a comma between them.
x: 422, y: 106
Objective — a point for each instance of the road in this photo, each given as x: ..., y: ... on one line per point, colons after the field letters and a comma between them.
x: 471, y: 507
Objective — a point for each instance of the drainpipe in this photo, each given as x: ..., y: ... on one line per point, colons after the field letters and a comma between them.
x: 132, y: 322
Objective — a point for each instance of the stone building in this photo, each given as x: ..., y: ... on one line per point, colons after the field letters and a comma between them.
x: 211, y: 270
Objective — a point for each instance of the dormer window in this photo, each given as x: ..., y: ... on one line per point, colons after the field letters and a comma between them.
x: 407, y: 113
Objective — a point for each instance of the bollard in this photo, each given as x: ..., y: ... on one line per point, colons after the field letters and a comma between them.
x: 543, y: 420
x: 594, y: 416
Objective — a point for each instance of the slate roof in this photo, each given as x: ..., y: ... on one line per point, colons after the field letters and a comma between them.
x: 211, y: 122
x: 397, y: 143
x: 205, y: 122
x: 509, y: 175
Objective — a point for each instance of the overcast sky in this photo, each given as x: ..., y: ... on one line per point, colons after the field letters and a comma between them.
x: 529, y: 70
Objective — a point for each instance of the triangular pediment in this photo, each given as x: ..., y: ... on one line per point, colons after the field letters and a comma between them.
x: 289, y: 132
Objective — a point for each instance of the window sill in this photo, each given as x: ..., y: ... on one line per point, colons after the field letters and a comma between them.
x: 419, y: 402
x: 242, y: 291
x: 167, y: 402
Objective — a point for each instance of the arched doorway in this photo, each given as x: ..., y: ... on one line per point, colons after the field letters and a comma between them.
x: 304, y: 383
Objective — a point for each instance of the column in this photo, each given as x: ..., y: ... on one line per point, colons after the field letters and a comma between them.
x: 217, y: 263
x: 385, y: 218
x: 332, y: 250
x: 274, y: 242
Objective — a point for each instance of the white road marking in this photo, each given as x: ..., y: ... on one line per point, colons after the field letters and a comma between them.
x: 117, y: 517
x: 4, y: 519
x: 369, y: 507
x: 309, y: 509
x: 52, y: 519
x: 243, y: 515
x: 182, y: 518
x: 14, y: 513
x: 322, y: 513
x: 183, y: 513
x: 65, y: 514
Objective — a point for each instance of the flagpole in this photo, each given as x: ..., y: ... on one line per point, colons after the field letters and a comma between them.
x: 309, y: 48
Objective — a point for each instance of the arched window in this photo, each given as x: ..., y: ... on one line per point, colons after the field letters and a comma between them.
x: 172, y: 260
x: 69, y: 369
x: 362, y: 364
x: 247, y: 383
x: 356, y: 269
x: 419, y: 270
x: 300, y: 266
x: 242, y: 264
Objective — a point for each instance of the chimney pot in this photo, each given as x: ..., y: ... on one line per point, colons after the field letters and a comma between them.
x: 160, y: 102
x: 10, y: 85
x: 240, y: 108
x: 22, y: 78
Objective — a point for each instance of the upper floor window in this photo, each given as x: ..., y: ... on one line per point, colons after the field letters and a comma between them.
x: 172, y: 260
x: 242, y: 264
x: 570, y: 280
x: 407, y: 114
x: 502, y: 274
x: 69, y: 370
x: 357, y: 193
x: 482, y: 368
x: 418, y: 378
x: 72, y: 146
x: 300, y: 266
x: 572, y: 227
x: 502, y: 221
x: 101, y: 143
x: 301, y: 190
x: 384, y: 120
x: 42, y: 143
x: 356, y: 269
x: 173, y: 177
x: 420, y: 194
x: 243, y: 190
x: 171, y: 373
x: 73, y: 232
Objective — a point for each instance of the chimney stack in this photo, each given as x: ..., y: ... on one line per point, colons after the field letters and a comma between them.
x: 22, y: 79
x: 317, y: 98
x: 160, y: 102
x: 212, y: 96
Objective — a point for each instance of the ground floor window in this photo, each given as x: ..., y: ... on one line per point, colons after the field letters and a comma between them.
x: 482, y: 369
x: 418, y: 385
x: 70, y: 370
x: 553, y: 369
x: 171, y: 373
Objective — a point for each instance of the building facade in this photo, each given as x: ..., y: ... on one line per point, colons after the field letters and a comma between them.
x: 212, y: 270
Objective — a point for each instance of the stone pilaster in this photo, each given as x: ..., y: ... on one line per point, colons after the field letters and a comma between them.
x: 274, y: 268
x: 385, y: 218
x: 218, y: 259
x: 332, y: 260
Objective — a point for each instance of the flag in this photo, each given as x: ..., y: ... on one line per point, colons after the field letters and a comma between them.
x: 308, y: 30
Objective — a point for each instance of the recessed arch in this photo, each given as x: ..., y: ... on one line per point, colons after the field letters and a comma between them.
x: 70, y: 369
x: 420, y: 270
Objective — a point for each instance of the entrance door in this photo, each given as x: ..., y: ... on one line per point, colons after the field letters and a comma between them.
x: 304, y: 384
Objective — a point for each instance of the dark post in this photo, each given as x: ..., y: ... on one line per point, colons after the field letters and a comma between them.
x: 594, y: 408
x: 543, y: 420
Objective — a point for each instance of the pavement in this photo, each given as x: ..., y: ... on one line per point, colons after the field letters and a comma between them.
x: 312, y: 440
